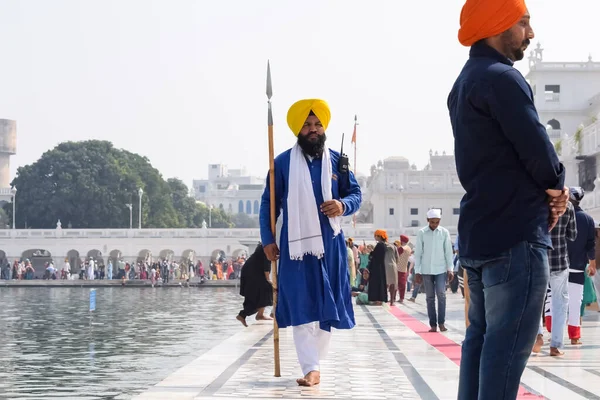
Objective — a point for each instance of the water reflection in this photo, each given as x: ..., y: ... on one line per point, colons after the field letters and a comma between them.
x: 50, y: 345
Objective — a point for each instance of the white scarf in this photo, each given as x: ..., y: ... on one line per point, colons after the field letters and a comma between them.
x: 304, y: 227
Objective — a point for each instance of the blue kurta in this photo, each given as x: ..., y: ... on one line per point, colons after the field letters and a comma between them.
x: 312, y: 289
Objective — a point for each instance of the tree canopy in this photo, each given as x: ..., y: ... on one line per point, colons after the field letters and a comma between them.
x: 89, y: 184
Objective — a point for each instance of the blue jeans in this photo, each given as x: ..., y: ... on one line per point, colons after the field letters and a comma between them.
x: 435, y: 285
x: 507, y: 299
x: 559, y: 300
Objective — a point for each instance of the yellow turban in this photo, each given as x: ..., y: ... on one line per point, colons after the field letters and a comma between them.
x: 481, y: 19
x: 299, y: 111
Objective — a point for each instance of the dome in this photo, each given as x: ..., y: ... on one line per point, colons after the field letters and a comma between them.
x: 396, y: 162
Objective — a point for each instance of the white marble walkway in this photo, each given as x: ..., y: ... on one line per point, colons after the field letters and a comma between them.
x: 387, y: 356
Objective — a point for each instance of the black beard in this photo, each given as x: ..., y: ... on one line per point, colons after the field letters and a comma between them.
x: 315, y: 149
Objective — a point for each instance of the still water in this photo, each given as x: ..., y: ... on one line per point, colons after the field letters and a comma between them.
x: 50, y: 346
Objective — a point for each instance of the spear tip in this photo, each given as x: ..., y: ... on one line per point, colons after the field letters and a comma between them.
x: 269, y: 86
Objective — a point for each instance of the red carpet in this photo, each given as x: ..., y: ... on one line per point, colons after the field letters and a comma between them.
x: 447, y: 347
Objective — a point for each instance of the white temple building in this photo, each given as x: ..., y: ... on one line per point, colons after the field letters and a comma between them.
x: 398, y: 195
x: 232, y: 190
x: 567, y: 97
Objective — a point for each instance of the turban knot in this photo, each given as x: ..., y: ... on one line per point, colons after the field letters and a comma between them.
x: 481, y: 19
x: 381, y: 233
x: 299, y: 111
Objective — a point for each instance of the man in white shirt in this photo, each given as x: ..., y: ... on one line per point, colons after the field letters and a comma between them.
x: 433, y: 266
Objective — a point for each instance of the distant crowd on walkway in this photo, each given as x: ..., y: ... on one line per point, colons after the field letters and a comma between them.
x: 164, y: 270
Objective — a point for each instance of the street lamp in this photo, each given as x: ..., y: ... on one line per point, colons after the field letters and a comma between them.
x: 210, y: 216
x: 13, y: 192
x: 130, y: 206
x: 140, y: 193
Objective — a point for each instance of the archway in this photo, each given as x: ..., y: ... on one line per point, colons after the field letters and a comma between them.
x: 166, y: 254
x: 555, y: 124
x: 38, y: 259
x: 218, y: 254
x: 114, y: 256
x: 188, y: 255
x: 97, y: 256
x: 74, y: 260
x: 144, y: 256
x: 239, y: 253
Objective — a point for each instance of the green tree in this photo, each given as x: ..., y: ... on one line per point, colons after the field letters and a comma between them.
x: 185, y: 205
x: 88, y: 185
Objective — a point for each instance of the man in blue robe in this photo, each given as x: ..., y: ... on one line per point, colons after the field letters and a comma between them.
x: 313, y: 281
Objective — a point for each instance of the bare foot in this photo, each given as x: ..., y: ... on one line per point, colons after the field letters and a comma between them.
x: 555, y: 352
x: 433, y: 329
x: 263, y: 318
x: 576, y: 342
x: 311, y: 379
x: 539, y: 342
x: 242, y: 320
x: 443, y: 328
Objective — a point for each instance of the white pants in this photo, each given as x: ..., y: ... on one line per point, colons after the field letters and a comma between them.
x: 575, y: 299
x: 312, y: 345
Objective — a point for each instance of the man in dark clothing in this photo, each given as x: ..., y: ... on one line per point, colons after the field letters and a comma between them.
x: 255, y: 286
x: 515, y: 193
x: 581, y: 253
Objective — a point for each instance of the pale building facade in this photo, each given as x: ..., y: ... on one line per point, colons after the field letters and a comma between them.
x: 232, y: 190
x: 567, y: 97
x: 398, y: 195
x: 8, y: 148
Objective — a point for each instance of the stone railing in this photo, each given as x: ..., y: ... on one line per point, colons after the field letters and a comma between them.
x: 574, y: 66
x: 362, y: 231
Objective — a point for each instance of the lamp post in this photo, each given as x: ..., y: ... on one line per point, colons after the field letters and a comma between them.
x: 210, y: 216
x: 130, y: 206
x: 13, y: 192
x: 140, y: 193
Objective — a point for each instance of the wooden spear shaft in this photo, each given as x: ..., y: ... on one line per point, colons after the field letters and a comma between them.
x: 273, y: 222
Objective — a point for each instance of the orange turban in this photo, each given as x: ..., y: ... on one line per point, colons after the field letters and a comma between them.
x: 481, y: 19
x: 299, y: 111
x: 382, y: 234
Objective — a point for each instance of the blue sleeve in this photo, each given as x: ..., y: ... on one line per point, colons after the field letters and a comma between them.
x: 351, y: 195
x: 511, y: 104
x: 418, y: 252
x: 448, y: 252
x: 266, y: 236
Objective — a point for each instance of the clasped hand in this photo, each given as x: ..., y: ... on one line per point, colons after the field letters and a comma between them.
x: 557, y: 204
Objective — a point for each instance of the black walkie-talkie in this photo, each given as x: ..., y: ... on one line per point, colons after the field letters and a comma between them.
x: 344, y: 163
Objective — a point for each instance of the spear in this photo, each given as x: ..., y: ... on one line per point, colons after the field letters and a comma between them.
x: 273, y: 220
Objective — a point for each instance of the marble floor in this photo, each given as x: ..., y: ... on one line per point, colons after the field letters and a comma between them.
x: 389, y: 355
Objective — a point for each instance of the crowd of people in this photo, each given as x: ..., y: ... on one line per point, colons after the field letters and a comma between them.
x: 164, y: 270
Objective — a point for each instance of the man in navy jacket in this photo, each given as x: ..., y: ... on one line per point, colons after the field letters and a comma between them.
x: 515, y: 193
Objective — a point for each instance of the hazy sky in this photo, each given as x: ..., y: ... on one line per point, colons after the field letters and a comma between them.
x: 183, y: 82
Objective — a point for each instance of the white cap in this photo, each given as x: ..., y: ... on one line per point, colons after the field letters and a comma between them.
x: 434, y: 213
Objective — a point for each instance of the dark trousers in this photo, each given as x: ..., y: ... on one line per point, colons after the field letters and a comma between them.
x: 249, y: 309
